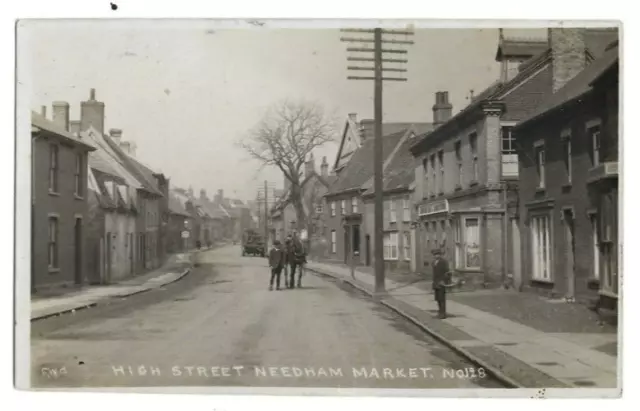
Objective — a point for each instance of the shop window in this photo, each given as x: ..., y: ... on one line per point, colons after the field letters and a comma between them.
x: 472, y: 243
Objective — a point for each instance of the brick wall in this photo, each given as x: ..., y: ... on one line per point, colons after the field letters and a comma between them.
x: 63, y: 205
x: 335, y: 223
x: 94, y: 230
x: 561, y: 196
x: 400, y: 226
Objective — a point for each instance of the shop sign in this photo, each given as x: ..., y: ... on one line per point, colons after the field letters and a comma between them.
x: 435, y: 207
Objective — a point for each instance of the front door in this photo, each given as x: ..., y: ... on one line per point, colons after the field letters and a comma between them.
x: 346, y: 244
x: 355, y: 241
x: 78, y: 251
x: 515, y: 247
x: 414, y: 251
x: 570, y: 254
x: 107, y: 258
x: 367, y: 250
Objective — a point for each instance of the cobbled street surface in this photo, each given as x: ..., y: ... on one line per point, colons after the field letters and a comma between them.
x: 221, y: 326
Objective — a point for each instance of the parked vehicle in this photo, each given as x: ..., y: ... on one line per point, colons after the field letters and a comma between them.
x: 253, y: 243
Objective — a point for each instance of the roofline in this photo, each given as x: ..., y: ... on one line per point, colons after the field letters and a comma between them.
x: 60, y: 134
x: 395, y: 190
x: 346, y: 191
x: 532, y: 120
x: 436, y: 136
x: 545, y: 114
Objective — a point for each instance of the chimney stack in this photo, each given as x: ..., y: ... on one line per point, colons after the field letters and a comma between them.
x: 309, y: 166
x: 92, y: 113
x: 61, y: 114
x: 568, y: 51
x: 126, y: 147
x: 442, y: 108
x: 367, y: 128
x: 324, y: 167
x: 353, y: 117
x: 116, y: 135
x: 74, y: 127
x: 43, y: 111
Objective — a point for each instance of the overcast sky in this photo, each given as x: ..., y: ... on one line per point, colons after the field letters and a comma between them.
x: 184, y: 92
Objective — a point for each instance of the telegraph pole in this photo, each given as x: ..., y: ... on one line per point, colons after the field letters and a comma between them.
x: 266, y: 218
x: 378, y: 79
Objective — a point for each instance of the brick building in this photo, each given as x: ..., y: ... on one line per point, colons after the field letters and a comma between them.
x: 149, y: 199
x: 110, y: 240
x: 59, y: 201
x: 347, y: 229
x: 569, y: 176
x: 399, y: 230
x: 180, y: 220
x: 467, y: 168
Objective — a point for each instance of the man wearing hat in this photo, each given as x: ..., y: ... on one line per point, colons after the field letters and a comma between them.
x: 440, y: 272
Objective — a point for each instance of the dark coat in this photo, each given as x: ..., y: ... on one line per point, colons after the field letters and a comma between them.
x: 276, y: 258
x: 294, y: 252
x: 440, y: 270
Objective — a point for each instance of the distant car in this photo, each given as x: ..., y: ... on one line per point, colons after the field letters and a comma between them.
x: 253, y: 244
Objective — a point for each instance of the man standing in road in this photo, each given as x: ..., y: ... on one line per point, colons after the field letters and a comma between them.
x: 295, y: 259
x: 440, y: 272
x: 276, y: 262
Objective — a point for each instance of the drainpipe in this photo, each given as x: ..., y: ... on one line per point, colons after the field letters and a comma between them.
x: 505, y: 239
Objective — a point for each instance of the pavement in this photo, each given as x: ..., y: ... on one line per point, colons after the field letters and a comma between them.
x: 221, y: 326
x: 522, y: 339
x: 177, y: 266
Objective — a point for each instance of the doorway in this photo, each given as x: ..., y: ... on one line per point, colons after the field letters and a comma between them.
x: 347, y: 244
x: 77, y: 244
x: 367, y: 240
x: 570, y: 252
x: 355, y: 241
x: 107, y: 258
x: 515, y: 247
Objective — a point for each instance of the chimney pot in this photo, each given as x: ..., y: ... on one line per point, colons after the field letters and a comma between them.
x: 74, y: 127
x: 126, y: 147
x: 92, y: 94
x: 61, y: 114
x: 43, y: 111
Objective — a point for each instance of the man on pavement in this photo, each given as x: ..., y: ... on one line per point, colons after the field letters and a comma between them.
x: 440, y: 272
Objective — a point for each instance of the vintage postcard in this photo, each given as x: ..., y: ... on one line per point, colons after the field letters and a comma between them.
x: 332, y: 208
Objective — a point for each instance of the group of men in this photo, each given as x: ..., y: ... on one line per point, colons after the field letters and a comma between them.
x: 292, y: 257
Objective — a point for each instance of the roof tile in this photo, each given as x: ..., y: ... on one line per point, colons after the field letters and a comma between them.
x: 360, y: 167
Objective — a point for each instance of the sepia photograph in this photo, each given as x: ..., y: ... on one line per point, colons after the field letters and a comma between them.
x: 331, y: 207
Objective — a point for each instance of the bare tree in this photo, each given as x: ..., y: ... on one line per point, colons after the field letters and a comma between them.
x: 284, y: 138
